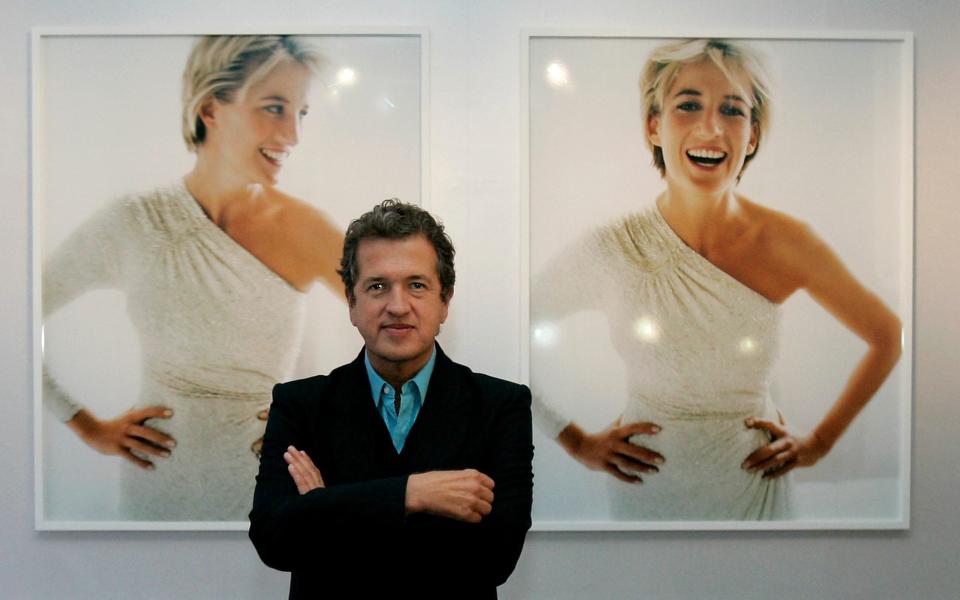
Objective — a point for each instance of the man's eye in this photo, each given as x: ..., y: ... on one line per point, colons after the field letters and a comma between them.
x: 375, y: 287
x: 418, y: 285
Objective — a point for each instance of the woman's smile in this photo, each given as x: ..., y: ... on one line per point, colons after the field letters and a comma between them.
x: 704, y: 129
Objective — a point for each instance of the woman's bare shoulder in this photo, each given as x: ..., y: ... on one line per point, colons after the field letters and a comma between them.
x: 777, y: 227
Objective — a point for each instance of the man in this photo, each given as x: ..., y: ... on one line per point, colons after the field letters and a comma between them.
x: 402, y: 471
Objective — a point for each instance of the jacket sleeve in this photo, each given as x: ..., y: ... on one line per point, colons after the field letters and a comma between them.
x: 485, y: 554
x: 290, y: 530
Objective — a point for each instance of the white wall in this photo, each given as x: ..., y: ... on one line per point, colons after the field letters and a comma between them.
x: 475, y: 175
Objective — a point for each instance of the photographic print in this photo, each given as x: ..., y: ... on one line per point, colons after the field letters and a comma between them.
x: 190, y: 197
x: 720, y: 280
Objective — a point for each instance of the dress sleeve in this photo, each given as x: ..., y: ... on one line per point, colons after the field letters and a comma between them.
x: 568, y: 283
x: 88, y: 259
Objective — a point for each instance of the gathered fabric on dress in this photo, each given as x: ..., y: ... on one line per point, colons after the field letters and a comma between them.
x: 217, y: 329
x: 699, y: 348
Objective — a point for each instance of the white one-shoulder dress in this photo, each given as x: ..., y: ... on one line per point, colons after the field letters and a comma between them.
x: 698, y: 347
x: 217, y: 330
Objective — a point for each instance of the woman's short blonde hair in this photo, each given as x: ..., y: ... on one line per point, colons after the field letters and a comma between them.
x: 740, y: 63
x: 219, y: 66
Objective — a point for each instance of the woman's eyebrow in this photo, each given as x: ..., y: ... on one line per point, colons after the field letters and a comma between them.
x: 688, y: 92
x: 275, y: 98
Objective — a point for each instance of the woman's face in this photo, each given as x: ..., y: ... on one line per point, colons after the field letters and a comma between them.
x: 249, y: 139
x: 704, y: 129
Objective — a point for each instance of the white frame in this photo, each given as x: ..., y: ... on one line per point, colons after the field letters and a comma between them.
x: 905, y: 277
x: 38, y: 35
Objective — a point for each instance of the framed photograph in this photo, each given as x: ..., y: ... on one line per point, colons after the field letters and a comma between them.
x: 804, y: 142
x: 156, y: 158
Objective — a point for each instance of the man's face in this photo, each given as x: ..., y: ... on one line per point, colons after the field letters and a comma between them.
x: 397, y: 306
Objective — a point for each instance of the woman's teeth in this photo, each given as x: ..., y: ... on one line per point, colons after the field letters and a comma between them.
x: 274, y: 155
x: 706, y: 157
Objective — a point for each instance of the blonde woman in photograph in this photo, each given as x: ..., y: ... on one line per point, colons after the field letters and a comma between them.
x: 692, y: 290
x: 214, y: 269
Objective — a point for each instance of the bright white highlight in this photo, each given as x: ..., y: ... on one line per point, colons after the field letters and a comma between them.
x: 545, y: 335
x: 646, y: 329
x: 747, y: 345
x: 557, y: 74
x: 346, y: 76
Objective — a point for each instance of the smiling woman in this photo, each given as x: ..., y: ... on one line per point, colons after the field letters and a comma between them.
x: 213, y: 268
x: 691, y: 292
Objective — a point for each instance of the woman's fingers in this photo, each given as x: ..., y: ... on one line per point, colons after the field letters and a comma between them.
x: 151, y: 435
x: 130, y: 456
x: 627, y: 478
x: 642, y: 458
x: 139, y: 415
x: 133, y: 443
x: 643, y: 428
x: 769, y: 426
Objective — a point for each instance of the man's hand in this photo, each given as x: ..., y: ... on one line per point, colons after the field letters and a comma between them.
x: 465, y: 495
x: 305, y: 474
x: 610, y: 450
x: 126, y: 433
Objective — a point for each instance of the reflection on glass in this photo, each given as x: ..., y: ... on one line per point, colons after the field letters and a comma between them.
x: 646, y: 329
x: 557, y: 74
x: 545, y: 335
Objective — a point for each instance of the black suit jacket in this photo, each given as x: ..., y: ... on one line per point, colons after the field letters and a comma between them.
x: 352, y: 536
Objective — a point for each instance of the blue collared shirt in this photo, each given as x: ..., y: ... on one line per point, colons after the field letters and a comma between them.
x: 412, y: 395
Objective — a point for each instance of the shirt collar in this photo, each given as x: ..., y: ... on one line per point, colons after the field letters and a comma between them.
x: 421, y: 380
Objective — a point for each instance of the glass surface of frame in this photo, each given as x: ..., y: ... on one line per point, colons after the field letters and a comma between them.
x: 837, y: 156
x: 107, y: 130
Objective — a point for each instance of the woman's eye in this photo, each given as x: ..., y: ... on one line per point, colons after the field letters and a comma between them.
x: 731, y: 111
x: 688, y: 106
x: 304, y: 113
x: 274, y: 109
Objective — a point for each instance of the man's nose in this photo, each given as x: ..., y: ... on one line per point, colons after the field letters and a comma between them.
x: 397, y: 302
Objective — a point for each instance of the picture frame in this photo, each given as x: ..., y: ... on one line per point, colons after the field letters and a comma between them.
x: 105, y: 124
x: 839, y: 157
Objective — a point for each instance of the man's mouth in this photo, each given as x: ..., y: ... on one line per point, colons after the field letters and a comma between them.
x: 274, y: 156
x: 706, y: 157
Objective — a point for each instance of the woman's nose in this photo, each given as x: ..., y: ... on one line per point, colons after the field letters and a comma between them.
x: 290, y: 130
x: 710, y: 124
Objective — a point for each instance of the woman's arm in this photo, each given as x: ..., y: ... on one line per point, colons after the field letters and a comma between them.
x: 829, y: 282
x: 571, y: 282
x: 90, y: 258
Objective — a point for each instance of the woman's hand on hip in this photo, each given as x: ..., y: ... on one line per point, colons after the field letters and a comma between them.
x: 785, y: 452
x: 124, y: 434
x: 609, y: 450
